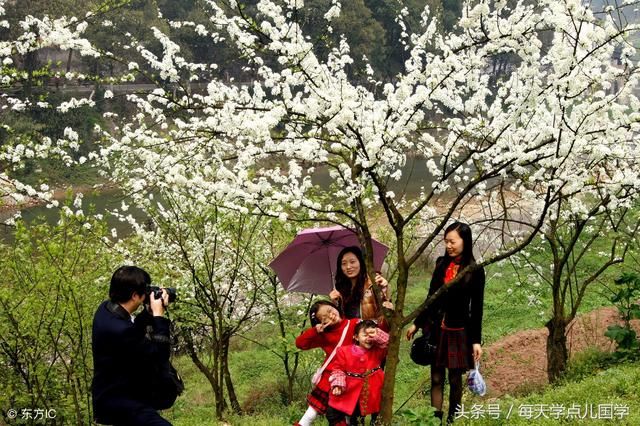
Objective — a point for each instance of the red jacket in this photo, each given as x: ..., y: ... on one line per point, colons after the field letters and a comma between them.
x: 327, y: 340
x: 365, y: 390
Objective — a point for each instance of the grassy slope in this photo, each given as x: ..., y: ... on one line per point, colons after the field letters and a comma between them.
x: 618, y: 385
x: 258, y: 374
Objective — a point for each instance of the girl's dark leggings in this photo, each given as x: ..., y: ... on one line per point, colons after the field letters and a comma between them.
x: 338, y: 418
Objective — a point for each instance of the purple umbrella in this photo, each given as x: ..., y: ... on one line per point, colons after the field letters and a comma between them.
x: 308, y: 264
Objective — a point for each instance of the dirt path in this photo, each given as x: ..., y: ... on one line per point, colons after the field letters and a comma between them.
x: 519, y: 361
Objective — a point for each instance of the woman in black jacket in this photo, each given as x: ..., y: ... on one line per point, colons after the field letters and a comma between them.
x: 454, y: 319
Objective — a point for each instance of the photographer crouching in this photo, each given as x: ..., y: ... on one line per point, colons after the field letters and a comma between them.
x: 132, y: 376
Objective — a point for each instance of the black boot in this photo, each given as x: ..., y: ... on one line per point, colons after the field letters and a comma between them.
x: 438, y: 415
x: 451, y: 417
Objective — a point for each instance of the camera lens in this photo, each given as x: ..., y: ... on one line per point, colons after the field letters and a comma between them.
x: 157, y: 292
x: 172, y: 294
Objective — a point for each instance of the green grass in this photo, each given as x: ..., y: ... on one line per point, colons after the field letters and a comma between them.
x: 196, y: 405
x: 615, y: 386
x: 510, y: 306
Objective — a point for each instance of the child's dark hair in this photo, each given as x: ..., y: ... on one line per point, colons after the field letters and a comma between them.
x: 316, y: 306
x: 363, y: 325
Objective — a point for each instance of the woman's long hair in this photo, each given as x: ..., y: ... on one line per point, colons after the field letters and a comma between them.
x: 467, y: 250
x: 343, y: 283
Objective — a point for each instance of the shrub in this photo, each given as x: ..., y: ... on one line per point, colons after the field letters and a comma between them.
x: 626, y: 297
x: 51, y: 281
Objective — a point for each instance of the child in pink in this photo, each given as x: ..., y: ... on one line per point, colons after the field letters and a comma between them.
x: 357, y: 377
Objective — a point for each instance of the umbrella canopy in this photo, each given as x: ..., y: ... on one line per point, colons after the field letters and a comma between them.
x: 308, y: 264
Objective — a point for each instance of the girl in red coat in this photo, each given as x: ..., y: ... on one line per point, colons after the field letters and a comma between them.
x: 326, y: 332
x: 356, y: 381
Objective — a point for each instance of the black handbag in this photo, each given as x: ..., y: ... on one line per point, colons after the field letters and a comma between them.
x: 423, y: 352
x: 163, y: 382
x: 166, y: 386
x: 423, y: 348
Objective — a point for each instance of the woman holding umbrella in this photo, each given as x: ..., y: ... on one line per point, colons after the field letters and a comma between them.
x: 353, y: 291
x: 306, y: 265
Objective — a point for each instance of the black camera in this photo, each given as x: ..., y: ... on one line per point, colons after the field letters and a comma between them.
x: 157, y: 293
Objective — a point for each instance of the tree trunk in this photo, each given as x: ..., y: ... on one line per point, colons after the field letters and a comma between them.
x: 31, y: 65
x: 290, y: 370
x: 557, y: 355
x: 290, y: 379
x: 233, y: 398
x: 69, y: 58
x: 390, y: 370
x: 75, y: 386
x: 209, y: 373
x: 291, y: 374
x: 221, y: 403
x: 395, y: 335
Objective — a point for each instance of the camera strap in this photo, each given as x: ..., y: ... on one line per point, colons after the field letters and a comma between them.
x: 118, y: 310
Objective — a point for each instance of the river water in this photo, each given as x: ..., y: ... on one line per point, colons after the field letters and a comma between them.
x: 414, y: 176
x: 100, y: 201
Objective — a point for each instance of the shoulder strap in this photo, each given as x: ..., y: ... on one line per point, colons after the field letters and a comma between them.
x: 344, y: 334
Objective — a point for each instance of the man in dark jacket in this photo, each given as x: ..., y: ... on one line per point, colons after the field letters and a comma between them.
x: 125, y: 350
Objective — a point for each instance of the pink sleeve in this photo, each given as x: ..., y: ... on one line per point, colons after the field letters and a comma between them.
x: 381, y: 339
x: 338, y: 376
x: 338, y: 379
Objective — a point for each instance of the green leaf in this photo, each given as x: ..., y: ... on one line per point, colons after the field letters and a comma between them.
x: 616, y: 332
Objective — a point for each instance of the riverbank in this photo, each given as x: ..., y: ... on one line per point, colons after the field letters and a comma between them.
x: 9, y: 206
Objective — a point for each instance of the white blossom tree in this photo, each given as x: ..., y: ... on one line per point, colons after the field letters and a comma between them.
x: 576, y: 248
x: 215, y: 258
x: 507, y: 150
